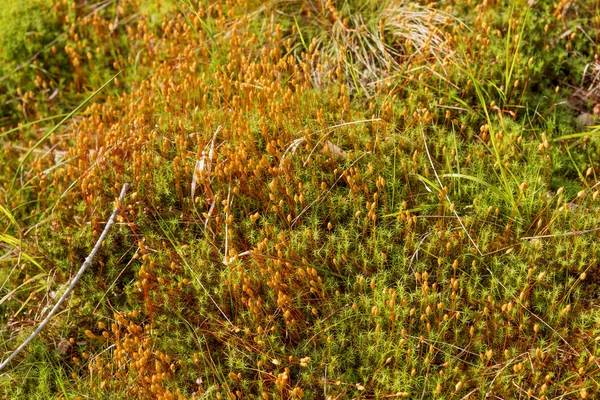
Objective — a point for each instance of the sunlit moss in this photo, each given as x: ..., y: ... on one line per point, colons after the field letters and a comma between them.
x: 307, y: 217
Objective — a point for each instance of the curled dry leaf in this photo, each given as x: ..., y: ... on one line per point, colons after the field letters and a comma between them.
x: 336, y: 152
x: 204, y: 163
x: 584, y: 120
x: 63, y: 346
x: 230, y: 259
x: 292, y: 147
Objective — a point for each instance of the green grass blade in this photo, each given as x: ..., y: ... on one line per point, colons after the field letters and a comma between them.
x: 18, y: 128
x: 8, y: 215
x: 16, y: 243
x: 27, y: 282
x: 516, y: 51
x: 579, y: 172
x: 205, y: 26
x: 300, y: 34
x: 495, y: 149
x: 62, y: 121
x: 594, y: 132
x: 491, y: 187
x: 428, y: 183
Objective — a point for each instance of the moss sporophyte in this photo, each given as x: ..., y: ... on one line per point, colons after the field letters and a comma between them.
x: 328, y: 200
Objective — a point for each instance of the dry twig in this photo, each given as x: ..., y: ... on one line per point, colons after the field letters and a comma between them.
x: 84, y: 266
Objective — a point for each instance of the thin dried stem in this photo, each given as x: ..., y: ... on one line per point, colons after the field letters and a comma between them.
x: 76, y: 279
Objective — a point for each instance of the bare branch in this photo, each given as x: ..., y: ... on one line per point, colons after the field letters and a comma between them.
x: 86, y: 264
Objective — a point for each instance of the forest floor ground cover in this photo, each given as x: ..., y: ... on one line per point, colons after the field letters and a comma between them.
x: 327, y: 199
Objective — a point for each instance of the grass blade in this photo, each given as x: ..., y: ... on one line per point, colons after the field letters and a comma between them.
x: 8, y: 215
x: 62, y: 121
x: 594, y: 132
x: 491, y: 187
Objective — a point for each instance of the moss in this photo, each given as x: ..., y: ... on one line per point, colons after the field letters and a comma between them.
x: 28, y: 29
x: 431, y: 255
